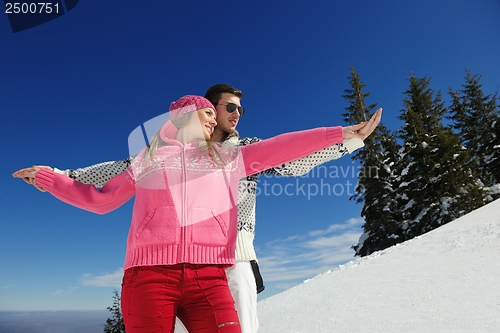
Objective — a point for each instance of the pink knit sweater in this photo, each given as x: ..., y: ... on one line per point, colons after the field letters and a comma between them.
x: 186, y: 205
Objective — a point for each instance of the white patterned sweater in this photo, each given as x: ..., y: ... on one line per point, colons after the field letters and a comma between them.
x: 99, y: 174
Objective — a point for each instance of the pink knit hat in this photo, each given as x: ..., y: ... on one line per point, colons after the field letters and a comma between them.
x: 182, y: 106
x: 189, y: 103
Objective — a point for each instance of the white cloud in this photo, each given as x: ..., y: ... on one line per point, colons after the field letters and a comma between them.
x: 65, y: 291
x: 289, y: 261
x: 347, y: 238
x: 352, y: 222
x: 105, y: 280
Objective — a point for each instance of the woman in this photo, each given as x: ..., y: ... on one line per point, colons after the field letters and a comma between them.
x: 183, y: 228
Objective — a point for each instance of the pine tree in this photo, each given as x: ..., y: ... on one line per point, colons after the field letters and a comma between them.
x: 436, y: 184
x: 494, y: 163
x: 476, y: 119
x: 115, y: 323
x: 381, y: 228
x: 375, y: 181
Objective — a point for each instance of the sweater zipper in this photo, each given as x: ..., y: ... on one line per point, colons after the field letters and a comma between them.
x: 184, y: 210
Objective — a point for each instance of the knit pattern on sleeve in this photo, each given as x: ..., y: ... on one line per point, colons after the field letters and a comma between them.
x: 247, y: 189
x: 99, y: 174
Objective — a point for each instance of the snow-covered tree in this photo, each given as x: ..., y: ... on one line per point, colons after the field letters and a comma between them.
x: 476, y: 119
x: 375, y: 188
x: 436, y: 183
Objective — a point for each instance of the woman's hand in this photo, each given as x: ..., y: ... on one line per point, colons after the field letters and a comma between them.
x: 364, y: 129
x: 28, y: 175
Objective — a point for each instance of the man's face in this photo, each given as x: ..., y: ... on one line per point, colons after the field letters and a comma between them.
x: 226, y: 122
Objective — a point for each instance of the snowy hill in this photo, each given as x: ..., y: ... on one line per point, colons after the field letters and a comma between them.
x: 447, y: 280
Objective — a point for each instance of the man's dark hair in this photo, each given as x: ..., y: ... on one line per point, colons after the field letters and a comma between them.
x: 214, y: 93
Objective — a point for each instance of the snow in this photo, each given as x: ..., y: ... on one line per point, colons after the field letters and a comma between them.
x: 494, y: 189
x: 404, y: 172
x: 447, y: 280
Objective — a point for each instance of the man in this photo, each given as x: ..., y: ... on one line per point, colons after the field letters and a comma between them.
x: 244, y: 278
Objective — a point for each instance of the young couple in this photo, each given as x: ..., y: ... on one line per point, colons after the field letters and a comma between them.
x: 186, y: 227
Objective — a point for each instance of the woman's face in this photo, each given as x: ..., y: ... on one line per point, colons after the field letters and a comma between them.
x: 206, y: 118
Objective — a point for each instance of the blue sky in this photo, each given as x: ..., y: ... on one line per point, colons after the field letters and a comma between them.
x: 72, y: 90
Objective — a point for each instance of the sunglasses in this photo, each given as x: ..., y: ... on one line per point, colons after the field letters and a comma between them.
x: 231, y: 107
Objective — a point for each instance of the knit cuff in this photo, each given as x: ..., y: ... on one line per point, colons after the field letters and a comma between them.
x: 244, y: 246
x: 62, y: 172
x: 334, y: 135
x: 44, y: 179
x: 353, y: 144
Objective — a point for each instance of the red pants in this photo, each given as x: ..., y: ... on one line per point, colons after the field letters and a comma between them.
x: 152, y: 296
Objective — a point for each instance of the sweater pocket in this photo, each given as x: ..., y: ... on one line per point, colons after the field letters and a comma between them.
x: 209, y: 228
x: 221, y: 222
x: 161, y: 225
